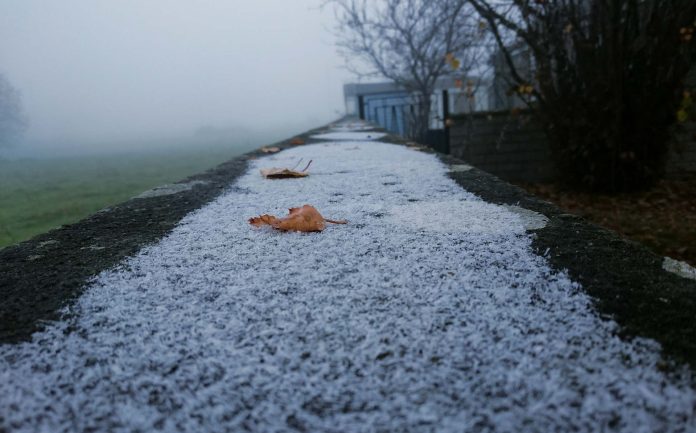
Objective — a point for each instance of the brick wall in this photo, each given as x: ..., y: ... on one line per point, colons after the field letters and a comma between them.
x: 515, y: 148
x: 682, y: 157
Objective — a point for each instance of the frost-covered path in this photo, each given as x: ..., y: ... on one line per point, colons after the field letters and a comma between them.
x: 427, y: 312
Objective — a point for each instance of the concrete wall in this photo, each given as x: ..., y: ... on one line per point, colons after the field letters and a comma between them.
x: 514, y: 147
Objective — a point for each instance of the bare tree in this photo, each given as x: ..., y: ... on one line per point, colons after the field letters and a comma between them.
x: 410, y: 42
x: 607, y: 79
x: 12, y: 120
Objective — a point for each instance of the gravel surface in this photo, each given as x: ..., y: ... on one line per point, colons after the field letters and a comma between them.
x: 427, y: 312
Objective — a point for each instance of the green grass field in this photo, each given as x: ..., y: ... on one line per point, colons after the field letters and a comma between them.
x: 37, y: 195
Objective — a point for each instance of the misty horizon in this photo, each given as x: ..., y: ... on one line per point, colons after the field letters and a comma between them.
x: 207, y: 137
x: 101, y: 76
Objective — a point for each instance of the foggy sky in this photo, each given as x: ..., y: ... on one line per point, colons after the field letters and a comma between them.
x: 101, y: 70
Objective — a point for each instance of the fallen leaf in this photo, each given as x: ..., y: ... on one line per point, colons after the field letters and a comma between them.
x: 271, y: 149
x: 300, y: 219
x: 414, y: 146
x: 262, y: 220
x: 285, y: 173
x: 281, y: 173
x: 297, y: 140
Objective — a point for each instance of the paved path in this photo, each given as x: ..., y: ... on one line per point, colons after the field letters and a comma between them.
x: 427, y: 312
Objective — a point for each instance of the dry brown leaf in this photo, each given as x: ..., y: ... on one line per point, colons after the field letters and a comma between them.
x: 300, y: 219
x: 297, y: 140
x: 272, y: 149
x: 282, y: 173
x: 285, y: 173
x: 262, y: 220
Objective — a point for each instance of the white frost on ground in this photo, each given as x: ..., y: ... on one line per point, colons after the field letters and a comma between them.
x: 530, y: 220
x: 458, y: 168
x: 351, y: 126
x: 427, y: 312
x: 678, y: 267
x: 349, y: 136
x: 170, y: 189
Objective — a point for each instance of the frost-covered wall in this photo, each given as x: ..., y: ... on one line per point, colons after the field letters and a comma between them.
x: 432, y: 309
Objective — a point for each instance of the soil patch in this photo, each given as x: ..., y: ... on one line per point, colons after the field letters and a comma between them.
x: 663, y: 218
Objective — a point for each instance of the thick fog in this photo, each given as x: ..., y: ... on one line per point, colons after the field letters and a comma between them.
x: 100, y: 73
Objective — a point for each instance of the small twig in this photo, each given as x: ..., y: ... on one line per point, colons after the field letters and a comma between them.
x: 308, y: 164
x: 298, y: 163
x: 336, y: 221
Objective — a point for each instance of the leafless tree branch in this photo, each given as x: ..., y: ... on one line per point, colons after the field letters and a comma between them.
x: 408, y: 41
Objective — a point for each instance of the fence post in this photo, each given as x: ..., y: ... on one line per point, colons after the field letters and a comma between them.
x: 393, y: 122
x: 361, y: 107
x: 445, y: 120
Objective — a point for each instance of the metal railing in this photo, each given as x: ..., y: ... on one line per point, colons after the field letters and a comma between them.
x: 398, y: 112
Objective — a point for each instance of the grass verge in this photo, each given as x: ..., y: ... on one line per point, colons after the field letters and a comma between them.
x: 37, y: 195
